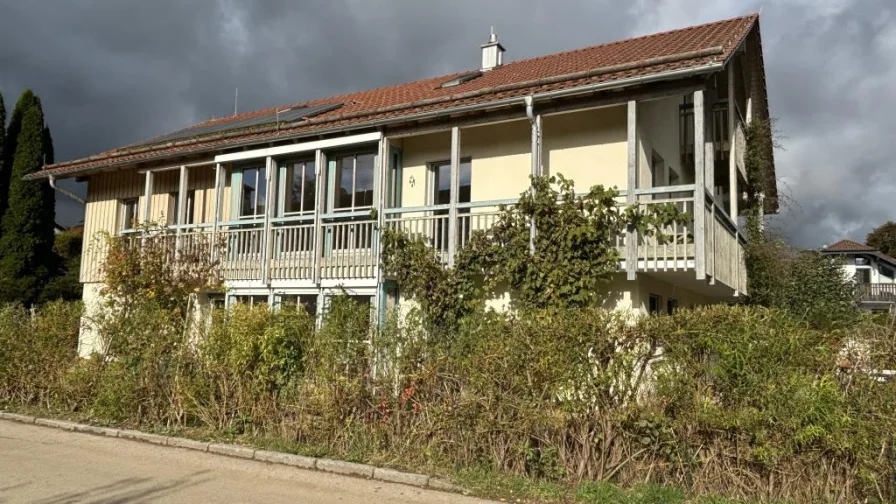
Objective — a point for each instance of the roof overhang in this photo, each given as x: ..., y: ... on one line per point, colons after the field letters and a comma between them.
x: 221, y: 143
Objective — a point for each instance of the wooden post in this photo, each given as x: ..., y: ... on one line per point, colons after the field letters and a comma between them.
x: 147, y: 198
x: 535, y: 171
x: 219, y: 199
x: 452, y: 208
x: 700, y: 187
x: 732, y: 144
x: 267, y: 241
x: 320, y: 196
x: 709, y: 161
x: 182, y: 196
x: 379, y: 198
x: 631, y: 198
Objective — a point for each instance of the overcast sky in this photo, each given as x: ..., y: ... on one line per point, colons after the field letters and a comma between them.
x: 117, y: 71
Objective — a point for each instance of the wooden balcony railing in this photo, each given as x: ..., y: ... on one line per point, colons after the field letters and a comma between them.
x: 346, y: 246
x: 876, y: 293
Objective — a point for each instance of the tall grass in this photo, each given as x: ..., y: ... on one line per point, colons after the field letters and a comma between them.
x: 743, y: 402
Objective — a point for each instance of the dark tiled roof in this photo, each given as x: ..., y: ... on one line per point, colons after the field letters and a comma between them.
x: 685, y: 48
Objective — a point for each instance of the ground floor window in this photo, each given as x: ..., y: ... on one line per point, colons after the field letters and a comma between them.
x: 654, y: 304
x: 251, y: 300
x: 671, y: 306
x: 307, y: 302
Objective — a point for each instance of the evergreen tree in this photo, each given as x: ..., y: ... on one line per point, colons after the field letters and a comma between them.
x: 7, y: 153
x: 4, y: 170
x: 26, y: 248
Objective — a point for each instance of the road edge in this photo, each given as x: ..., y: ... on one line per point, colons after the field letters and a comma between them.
x: 247, y: 453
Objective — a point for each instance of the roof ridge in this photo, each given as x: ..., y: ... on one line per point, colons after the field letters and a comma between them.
x: 632, y: 39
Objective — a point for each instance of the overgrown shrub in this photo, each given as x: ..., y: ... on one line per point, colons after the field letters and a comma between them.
x: 35, y: 351
x: 742, y: 401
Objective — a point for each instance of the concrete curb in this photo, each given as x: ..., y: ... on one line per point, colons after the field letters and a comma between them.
x: 243, y: 452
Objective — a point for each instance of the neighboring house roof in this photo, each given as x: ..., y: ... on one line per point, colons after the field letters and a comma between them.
x: 682, y: 49
x: 847, y: 247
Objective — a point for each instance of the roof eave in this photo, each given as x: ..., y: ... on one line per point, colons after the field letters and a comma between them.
x: 589, y: 88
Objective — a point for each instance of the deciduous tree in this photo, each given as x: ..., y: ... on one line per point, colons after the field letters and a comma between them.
x: 883, y: 238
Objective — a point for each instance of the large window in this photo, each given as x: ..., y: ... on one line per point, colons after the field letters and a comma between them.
x: 863, y: 275
x: 307, y: 302
x: 354, y: 182
x: 128, y: 214
x: 301, y: 186
x: 253, y: 196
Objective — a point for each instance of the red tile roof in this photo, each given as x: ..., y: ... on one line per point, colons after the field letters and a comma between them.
x: 685, y: 48
x: 849, y: 246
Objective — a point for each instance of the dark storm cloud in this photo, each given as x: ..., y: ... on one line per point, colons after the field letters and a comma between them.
x: 113, y: 72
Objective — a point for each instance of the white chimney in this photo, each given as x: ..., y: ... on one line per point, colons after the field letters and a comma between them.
x: 492, y: 53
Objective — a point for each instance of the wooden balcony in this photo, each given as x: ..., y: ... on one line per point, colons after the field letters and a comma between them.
x: 345, y: 247
x: 874, y: 293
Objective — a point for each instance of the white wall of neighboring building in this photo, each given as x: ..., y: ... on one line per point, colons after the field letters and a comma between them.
x: 880, y: 271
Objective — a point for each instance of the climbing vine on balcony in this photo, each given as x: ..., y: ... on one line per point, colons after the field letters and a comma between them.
x: 574, y: 253
x: 758, y: 165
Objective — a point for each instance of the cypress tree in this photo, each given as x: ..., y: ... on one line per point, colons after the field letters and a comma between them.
x: 9, y: 149
x: 4, y: 171
x: 26, y: 247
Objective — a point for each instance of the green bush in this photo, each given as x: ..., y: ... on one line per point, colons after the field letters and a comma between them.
x: 35, y: 351
x: 744, y: 402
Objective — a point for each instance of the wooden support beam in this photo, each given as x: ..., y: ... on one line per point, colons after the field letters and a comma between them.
x: 267, y: 237
x: 147, y: 198
x: 379, y: 198
x: 452, y: 203
x: 732, y: 143
x: 631, y: 238
x: 219, y: 202
x: 183, y: 183
x: 700, y: 183
x: 535, y: 155
x: 320, y: 171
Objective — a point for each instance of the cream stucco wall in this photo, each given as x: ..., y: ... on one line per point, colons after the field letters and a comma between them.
x: 89, y: 341
x: 658, y: 131
x: 648, y: 285
x: 590, y: 147
x: 500, y: 161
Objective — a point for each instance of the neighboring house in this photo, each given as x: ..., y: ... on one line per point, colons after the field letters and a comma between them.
x: 290, y: 190
x: 874, y: 273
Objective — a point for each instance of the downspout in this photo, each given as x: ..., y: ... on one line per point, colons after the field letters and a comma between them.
x: 66, y: 192
x: 535, y: 122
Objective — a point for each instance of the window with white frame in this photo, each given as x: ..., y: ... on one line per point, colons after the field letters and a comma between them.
x: 440, y: 194
x: 354, y: 182
x: 300, y: 189
x: 253, y: 193
x: 127, y: 217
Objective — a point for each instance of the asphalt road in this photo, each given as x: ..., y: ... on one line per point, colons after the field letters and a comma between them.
x: 44, y: 465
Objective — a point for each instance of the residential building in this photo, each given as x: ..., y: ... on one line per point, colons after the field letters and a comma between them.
x: 874, y: 273
x: 290, y: 190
